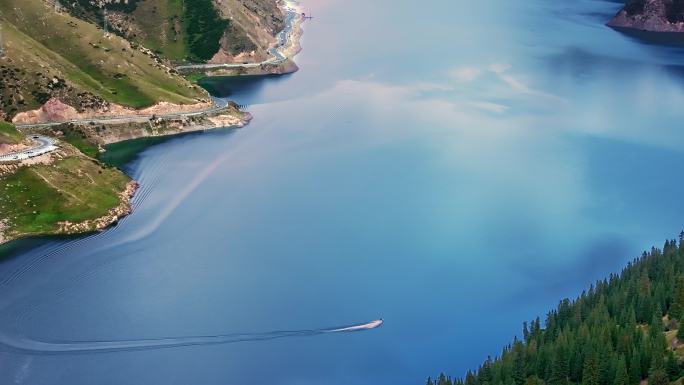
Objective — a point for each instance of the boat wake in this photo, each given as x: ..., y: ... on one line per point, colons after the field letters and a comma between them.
x: 36, y: 347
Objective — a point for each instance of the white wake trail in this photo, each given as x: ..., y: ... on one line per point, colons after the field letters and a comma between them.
x: 37, y: 347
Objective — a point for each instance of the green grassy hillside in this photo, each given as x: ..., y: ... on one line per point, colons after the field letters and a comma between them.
x: 174, y: 29
x: 189, y: 30
x: 158, y: 25
x: 55, y: 54
x: 9, y: 134
x: 34, y: 199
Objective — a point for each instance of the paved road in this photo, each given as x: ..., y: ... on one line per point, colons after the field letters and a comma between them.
x: 218, y: 105
x: 44, y: 146
x: 277, y: 56
x: 47, y: 144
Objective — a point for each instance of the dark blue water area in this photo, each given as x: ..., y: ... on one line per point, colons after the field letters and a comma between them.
x: 454, y: 182
x: 249, y: 89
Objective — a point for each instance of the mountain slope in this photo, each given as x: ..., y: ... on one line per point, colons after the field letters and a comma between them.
x: 9, y: 134
x: 53, y: 54
x: 254, y: 25
x: 192, y: 30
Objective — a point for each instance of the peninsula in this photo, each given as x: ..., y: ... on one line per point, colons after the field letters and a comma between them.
x: 76, y: 76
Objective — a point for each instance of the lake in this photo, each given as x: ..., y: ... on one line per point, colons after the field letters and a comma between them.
x: 453, y: 167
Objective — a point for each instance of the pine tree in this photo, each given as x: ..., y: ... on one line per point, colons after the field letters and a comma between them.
x: 519, y: 371
x: 576, y: 364
x: 657, y: 363
x: 484, y: 375
x: 444, y: 380
x: 655, y: 328
x: 646, y: 354
x: 559, y: 369
x: 677, y: 306
x: 658, y: 377
x: 635, y: 368
x: 590, y: 374
x: 680, y: 332
x: 657, y: 374
x: 606, y: 363
x: 470, y: 379
x: 672, y: 366
x: 533, y: 380
x: 656, y: 334
x: 621, y: 376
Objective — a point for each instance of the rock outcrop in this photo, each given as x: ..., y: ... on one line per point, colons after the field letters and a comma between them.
x: 651, y: 16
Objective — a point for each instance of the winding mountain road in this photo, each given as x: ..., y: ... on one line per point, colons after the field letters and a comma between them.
x: 217, y: 106
x: 44, y: 146
x: 47, y: 144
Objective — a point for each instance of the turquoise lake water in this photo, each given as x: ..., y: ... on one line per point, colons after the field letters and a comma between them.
x: 452, y: 167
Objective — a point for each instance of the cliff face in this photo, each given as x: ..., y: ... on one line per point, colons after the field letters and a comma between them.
x: 651, y: 16
x: 252, y: 30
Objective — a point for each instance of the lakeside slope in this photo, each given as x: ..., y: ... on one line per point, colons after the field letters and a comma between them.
x: 62, y: 192
x: 84, y: 88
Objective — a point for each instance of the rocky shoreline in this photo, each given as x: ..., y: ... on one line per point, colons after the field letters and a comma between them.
x: 114, y: 215
x: 3, y: 226
x: 89, y: 226
x: 118, y: 131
